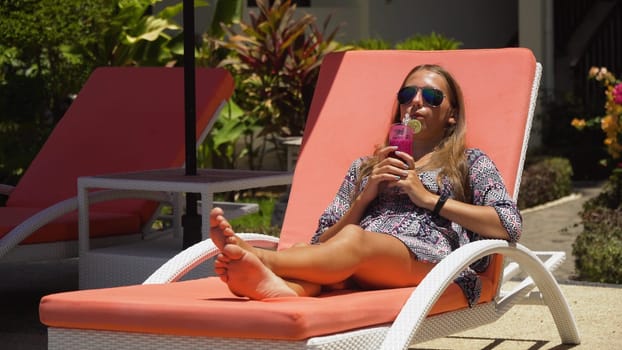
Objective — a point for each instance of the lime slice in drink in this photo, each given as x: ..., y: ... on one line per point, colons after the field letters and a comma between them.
x: 415, y: 125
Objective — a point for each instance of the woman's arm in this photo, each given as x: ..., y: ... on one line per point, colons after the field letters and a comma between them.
x: 482, y: 219
x: 342, y: 212
x: 493, y: 213
x: 352, y: 216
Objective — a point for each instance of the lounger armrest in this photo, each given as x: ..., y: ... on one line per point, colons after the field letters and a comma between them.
x: 35, y: 222
x: 550, y: 259
x: 6, y: 189
x: 422, y: 299
x: 185, y: 261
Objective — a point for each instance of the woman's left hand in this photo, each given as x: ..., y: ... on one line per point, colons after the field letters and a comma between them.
x: 411, y: 183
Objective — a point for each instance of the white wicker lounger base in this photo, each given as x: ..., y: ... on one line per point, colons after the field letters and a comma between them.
x: 369, y: 338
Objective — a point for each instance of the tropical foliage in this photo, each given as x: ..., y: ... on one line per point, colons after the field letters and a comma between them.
x: 134, y: 37
x: 611, y: 122
x: 48, y: 48
x: 275, y: 58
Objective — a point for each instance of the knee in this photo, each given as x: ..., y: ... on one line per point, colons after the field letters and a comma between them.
x: 351, y: 234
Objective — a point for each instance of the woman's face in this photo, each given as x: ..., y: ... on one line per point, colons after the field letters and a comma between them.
x: 434, y: 119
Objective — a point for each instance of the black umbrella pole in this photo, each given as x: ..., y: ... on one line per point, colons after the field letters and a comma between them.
x: 191, y: 221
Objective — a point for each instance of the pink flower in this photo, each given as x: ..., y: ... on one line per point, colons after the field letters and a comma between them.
x: 617, y: 94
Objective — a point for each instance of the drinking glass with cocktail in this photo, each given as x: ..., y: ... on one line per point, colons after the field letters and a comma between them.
x: 401, y: 135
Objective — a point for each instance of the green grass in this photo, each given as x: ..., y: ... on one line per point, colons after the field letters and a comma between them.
x: 259, y: 222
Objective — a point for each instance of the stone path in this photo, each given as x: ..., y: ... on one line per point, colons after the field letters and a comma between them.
x: 555, y: 226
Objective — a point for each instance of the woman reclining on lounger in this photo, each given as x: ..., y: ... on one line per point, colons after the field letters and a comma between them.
x: 393, y: 218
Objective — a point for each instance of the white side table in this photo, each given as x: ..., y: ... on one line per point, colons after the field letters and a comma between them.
x: 293, y: 149
x: 132, y: 263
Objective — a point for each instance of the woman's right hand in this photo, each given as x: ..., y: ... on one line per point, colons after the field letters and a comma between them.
x: 388, y: 170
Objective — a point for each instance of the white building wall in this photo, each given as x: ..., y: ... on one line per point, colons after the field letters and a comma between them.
x: 475, y: 23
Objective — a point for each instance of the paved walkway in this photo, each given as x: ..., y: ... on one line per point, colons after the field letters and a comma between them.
x: 597, y: 309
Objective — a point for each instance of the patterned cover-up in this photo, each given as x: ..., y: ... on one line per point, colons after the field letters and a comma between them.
x: 431, y: 238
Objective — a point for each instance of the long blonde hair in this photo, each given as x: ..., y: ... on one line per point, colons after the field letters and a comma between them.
x: 449, y: 156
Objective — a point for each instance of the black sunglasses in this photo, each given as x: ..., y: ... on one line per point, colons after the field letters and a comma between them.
x: 431, y: 96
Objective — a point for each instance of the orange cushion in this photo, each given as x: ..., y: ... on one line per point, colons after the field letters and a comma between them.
x: 66, y: 227
x: 205, y: 307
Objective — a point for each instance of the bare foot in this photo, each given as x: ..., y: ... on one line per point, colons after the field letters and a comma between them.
x: 240, y: 266
x: 222, y: 233
x: 220, y: 229
x: 247, y: 276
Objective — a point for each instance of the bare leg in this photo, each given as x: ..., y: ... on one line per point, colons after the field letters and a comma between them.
x: 347, y: 284
x: 372, y: 259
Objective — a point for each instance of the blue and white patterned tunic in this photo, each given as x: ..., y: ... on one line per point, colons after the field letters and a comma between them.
x: 430, y: 238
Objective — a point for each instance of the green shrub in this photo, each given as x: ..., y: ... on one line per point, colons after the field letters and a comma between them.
x: 598, y: 248
x: 432, y: 41
x: 373, y: 44
x: 259, y: 222
x: 610, y: 196
x: 38, y: 73
x: 428, y: 42
x: 545, y: 179
x: 48, y: 48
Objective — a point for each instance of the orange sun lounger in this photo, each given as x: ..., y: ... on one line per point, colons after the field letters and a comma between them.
x: 354, y: 94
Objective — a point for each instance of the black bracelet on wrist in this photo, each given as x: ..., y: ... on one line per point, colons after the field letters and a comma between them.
x: 439, y: 205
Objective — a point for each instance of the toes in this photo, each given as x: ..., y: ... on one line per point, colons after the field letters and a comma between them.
x: 228, y: 231
x: 222, y: 258
x: 232, y: 251
x: 220, y: 267
x: 222, y: 273
x: 222, y: 223
x: 221, y: 262
x: 215, y: 214
x: 216, y: 211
